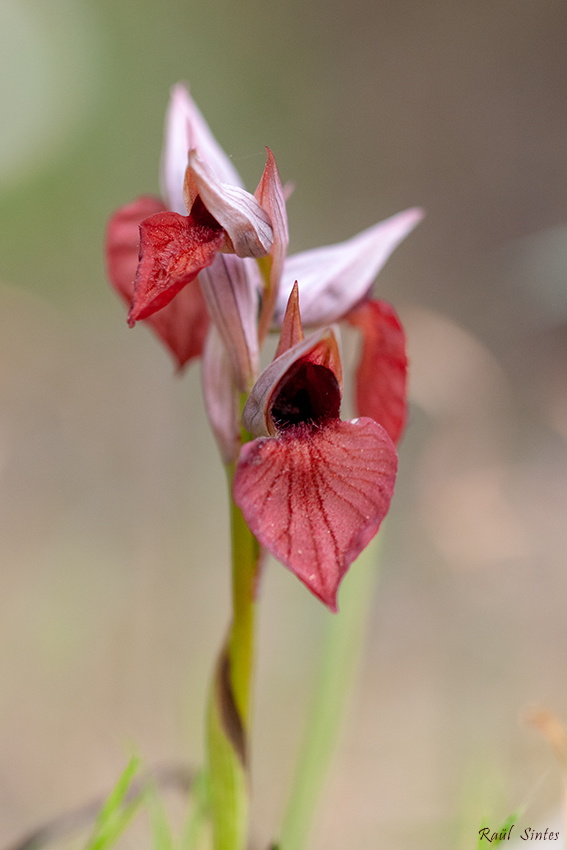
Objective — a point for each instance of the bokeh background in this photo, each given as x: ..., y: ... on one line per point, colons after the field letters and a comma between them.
x: 113, y: 520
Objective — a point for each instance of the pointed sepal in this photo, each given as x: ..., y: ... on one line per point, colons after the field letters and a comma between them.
x: 334, y: 278
x: 292, y: 330
x: 185, y: 130
x: 270, y: 196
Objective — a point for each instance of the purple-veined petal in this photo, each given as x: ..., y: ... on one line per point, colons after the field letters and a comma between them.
x: 173, y: 250
x: 182, y: 324
x: 270, y: 195
x: 221, y: 396
x: 334, y: 278
x: 246, y: 223
x: 123, y: 241
x: 319, y: 348
x: 315, y: 497
x: 186, y: 129
x: 231, y: 288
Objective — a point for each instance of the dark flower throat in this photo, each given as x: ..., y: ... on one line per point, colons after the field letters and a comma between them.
x: 309, y: 394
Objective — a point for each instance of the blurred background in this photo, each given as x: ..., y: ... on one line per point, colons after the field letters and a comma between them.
x: 113, y: 518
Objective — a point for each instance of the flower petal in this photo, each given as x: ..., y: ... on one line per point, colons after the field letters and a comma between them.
x: 334, y: 278
x: 231, y: 288
x: 173, y: 250
x: 182, y: 325
x: 382, y: 373
x: 221, y: 396
x: 123, y: 242
x: 319, y: 349
x: 316, y: 497
x: 270, y: 195
x: 186, y: 129
x: 244, y: 220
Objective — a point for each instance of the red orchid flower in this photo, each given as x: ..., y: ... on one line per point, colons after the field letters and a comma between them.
x: 312, y: 488
x: 335, y: 280
x: 156, y: 249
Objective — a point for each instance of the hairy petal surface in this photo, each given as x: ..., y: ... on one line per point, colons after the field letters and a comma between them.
x: 334, y: 278
x: 183, y: 324
x: 381, y: 377
x: 231, y: 288
x: 315, y: 497
x: 185, y: 130
x: 173, y: 250
x: 319, y: 349
x: 248, y: 225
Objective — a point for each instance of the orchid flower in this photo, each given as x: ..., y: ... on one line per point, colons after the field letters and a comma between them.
x: 180, y: 271
x: 335, y: 281
x: 312, y: 488
x: 206, y: 266
x: 156, y: 247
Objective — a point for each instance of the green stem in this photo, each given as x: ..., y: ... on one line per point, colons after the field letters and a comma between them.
x: 340, y: 664
x: 230, y: 703
x: 245, y: 554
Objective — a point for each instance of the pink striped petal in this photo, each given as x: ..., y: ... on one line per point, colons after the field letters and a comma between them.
x: 316, y: 497
x: 270, y: 195
x: 221, y: 396
x: 334, y: 278
x: 231, y: 288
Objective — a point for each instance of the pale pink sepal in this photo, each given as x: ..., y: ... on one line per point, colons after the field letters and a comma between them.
x: 186, y: 129
x: 270, y: 195
x: 320, y: 348
x: 231, y: 288
x: 236, y: 210
x: 316, y: 497
x: 221, y: 396
x: 334, y: 278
